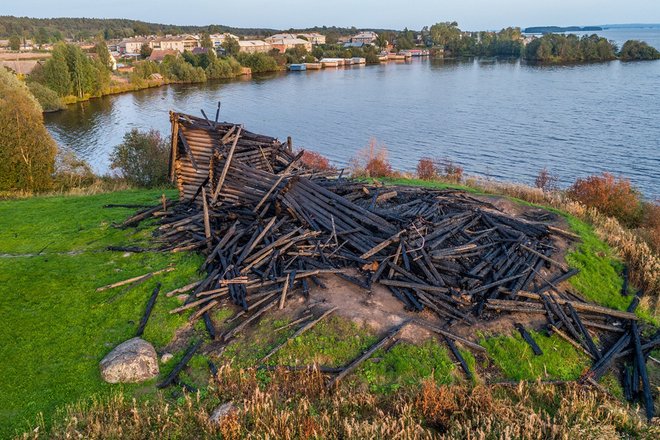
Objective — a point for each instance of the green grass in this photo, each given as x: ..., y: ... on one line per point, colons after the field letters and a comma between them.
x: 336, y: 341
x: 56, y: 327
x: 432, y: 184
x: 599, y: 279
x: 406, y: 364
x: 514, y: 357
x: 333, y: 342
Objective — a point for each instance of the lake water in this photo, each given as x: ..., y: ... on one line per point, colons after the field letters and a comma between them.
x: 499, y: 119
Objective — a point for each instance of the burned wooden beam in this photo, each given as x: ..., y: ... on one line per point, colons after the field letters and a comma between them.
x: 367, y: 354
x: 529, y: 339
x: 148, y: 310
x: 180, y: 365
x: 641, y: 367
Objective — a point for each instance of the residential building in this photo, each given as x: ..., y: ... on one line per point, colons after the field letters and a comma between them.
x: 366, y: 37
x: 314, y: 38
x: 282, y: 42
x: 219, y: 39
x: 176, y: 42
x: 254, y: 46
x: 180, y: 43
x: 131, y: 45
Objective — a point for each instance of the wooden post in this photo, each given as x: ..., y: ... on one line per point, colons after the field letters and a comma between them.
x: 289, y: 144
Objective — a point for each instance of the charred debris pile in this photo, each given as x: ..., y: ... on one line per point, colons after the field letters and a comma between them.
x: 271, y: 228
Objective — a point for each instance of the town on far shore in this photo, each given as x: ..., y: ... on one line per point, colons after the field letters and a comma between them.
x: 125, y: 50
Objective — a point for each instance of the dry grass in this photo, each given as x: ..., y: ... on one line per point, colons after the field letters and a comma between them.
x: 297, y: 405
x: 651, y: 224
x: 99, y: 185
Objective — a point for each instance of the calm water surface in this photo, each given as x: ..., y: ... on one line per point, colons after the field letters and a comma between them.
x: 505, y: 120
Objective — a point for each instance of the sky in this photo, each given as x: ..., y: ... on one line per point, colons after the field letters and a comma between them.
x: 284, y: 14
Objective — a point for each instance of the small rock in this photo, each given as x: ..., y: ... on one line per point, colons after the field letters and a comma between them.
x: 134, y: 360
x: 222, y: 411
x: 166, y: 357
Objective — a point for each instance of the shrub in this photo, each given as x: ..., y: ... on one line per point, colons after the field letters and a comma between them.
x: 27, y: 152
x: 258, y: 62
x: 176, y: 68
x: 142, y: 159
x: 612, y: 196
x: 223, y: 68
x: 452, y: 172
x: 72, y: 172
x: 316, y: 161
x: 371, y: 161
x: 427, y: 169
x: 49, y: 100
x: 546, y: 181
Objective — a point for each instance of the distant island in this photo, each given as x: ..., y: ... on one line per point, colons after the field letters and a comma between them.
x: 560, y: 29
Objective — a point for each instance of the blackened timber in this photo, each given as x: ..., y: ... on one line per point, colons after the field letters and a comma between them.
x: 148, y: 310
x: 459, y: 357
x: 409, y: 285
x: 299, y: 332
x: 585, y: 333
x: 556, y: 280
x: 367, y: 354
x: 181, y: 365
x: 641, y: 366
x: 529, y: 339
x: 210, y: 328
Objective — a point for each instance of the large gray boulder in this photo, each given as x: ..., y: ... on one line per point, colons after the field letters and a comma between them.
x: 132, y: 361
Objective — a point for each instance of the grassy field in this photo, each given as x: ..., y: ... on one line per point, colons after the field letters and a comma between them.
x: 57, y: 327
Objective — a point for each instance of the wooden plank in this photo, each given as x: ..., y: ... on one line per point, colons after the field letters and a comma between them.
x: 134, y: 279
x: 225, y: 169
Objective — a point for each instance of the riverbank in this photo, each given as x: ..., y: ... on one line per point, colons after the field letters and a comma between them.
x: 64, y: 240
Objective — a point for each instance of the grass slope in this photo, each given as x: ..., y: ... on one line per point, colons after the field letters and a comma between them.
x: 56, y: 327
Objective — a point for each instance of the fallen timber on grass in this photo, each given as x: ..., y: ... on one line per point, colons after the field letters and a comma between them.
x: 269, y: 226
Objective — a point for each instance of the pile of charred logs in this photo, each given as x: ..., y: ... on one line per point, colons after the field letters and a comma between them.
x: 269, y: 227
